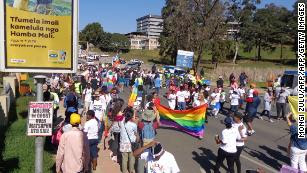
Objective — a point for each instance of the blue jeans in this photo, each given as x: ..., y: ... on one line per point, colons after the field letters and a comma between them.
x: 126, y: 82
x: 234, y: 108
x: 157, y: 90
x: 181, y: 105
x: 93, y: 148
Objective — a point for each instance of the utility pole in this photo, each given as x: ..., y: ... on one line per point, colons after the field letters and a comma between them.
x: 39, y: 140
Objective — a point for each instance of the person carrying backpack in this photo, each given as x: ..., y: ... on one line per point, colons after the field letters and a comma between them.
x: 148, y: 124
x: 71, y: 99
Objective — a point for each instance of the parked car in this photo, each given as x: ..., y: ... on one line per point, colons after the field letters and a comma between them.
x: 132, y: 65
x: 290, y: 81
x: 138, y: 61
x: 90, y: 62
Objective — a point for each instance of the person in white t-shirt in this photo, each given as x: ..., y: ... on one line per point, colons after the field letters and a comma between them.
x: 238, y: 124
x: 241, y: 92
x: 172, y: 100
x: 105, y: 101
x: 97, y: 107
x: 181, y: 95
x: 187, y: 96
x: 91, y: 129
x: 87, y: 97
x: 157, y: 159
x: 234, y: 101
x: 215, y: 102
x: 228, y: 146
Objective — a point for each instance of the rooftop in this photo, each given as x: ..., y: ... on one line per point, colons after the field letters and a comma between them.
x: 149, y: 16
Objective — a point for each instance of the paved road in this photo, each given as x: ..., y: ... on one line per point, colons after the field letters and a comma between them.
x: 265, y: 149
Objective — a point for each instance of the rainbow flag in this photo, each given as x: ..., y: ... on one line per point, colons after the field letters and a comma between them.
x: 133, y: 96
x: 190, y: 121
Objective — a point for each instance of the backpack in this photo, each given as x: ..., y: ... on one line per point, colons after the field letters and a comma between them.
x: 148, y: 130
x: 70, y: 100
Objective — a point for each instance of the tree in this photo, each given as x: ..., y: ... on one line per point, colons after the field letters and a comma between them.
x: 293, y: 26
x: 259, y: 31
x: 239, y: 11
x: 94, y: 34
x: 191, y: 25
x: 280, y: 33
x: 119, y: 42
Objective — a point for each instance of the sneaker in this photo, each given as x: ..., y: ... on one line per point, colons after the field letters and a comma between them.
x: 261, y: 118
x: 252, y: 132
x: 271, y: 121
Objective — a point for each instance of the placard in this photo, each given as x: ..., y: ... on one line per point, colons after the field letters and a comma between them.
x: 39, y: 36
x: 184, y: 59
x: 40, y: 119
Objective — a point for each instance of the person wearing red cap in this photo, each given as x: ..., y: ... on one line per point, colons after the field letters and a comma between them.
x: 251, y: 112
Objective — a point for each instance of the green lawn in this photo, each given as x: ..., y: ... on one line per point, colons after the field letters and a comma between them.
x: 271, y: 56
x: 18, y: 150
x: 268, y: 55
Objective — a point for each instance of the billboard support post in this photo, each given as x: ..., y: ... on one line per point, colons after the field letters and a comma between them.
x: 39, y: 140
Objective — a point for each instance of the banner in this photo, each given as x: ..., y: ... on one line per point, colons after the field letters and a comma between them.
x: 191, y: 121
x: 40, y: 119
x: 184, y: 59
x: 294, y: 106
x: 39, y: 36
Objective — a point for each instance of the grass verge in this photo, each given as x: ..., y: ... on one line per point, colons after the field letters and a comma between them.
x: 16, y: 148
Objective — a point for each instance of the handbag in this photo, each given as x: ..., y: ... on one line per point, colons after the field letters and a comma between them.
x: 134, y: 145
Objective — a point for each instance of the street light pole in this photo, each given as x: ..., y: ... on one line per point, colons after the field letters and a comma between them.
x: 39, y: 140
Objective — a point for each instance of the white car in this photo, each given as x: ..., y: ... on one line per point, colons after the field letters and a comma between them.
x: 136, y: 60
x: 90, y: 62
x: 90, y: 58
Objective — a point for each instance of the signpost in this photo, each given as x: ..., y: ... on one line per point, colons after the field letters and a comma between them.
x: 39, y: 37
x: 184, y: 59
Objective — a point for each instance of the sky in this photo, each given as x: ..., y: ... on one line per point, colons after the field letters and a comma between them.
x: 119, y: 16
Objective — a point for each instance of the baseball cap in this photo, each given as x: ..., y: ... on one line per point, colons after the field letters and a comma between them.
x: 75, y: 119
x: 227, y: 121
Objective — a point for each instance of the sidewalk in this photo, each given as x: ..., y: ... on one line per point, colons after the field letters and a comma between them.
x: 105, y: 164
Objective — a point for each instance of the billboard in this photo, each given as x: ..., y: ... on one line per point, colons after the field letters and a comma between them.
x: 184, y: 59
x: 39, y: 36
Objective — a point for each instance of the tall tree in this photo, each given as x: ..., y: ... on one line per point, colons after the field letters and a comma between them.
x: 118, y: 42
x: 239, y: 11
x: 281, y: 31
x: 191, y: 25
x: 259, y: 31
x: 93, y: 33
x: 293, y: 25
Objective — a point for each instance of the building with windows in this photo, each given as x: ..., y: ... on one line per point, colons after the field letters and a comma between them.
x: 139, y: 40
x: 150, y: 25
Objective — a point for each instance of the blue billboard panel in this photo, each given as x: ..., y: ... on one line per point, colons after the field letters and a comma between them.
x: 184, y: 59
